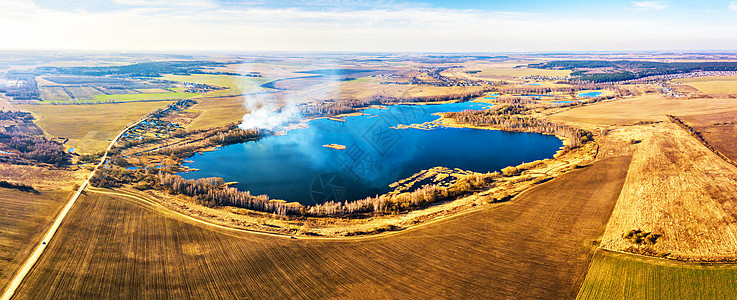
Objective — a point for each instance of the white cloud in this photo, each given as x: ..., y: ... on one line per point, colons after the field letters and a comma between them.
x: 167, y: 3
x: 235, y: 28
x: 650, y: 5
x: 733, y: 5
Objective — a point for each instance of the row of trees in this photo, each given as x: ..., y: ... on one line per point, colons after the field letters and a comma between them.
x: 627, y: 69
x: 213, y: 191
x: 18, y: 186
x: 337, y: 107
x: 642, y: 67
x: 394, y: 203
x: 608, y: 77
x: 504, y: 118
x: 540, y: 90
x: 145, y: 69
x: 235, y: 136
x: 696, y: 134
x: 212, y: 137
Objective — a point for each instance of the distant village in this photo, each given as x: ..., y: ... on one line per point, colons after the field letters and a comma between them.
x: 155, y: 126
x: 440, y: 80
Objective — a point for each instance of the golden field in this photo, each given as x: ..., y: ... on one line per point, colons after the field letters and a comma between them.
x: 676, y: 187
x: 217, y: 112
x: 643, y: 108
x: 88, y: 127
x: 726, y: 85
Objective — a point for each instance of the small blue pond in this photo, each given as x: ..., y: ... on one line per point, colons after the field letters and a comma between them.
x: 590, y: 94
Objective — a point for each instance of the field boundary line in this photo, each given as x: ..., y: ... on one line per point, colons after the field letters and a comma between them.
x: 673, y: 262
x: 697, y: 135
x: 31, y: 261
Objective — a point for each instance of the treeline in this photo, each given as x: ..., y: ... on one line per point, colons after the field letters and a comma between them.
x: 337, y: 107
x: 608, y: 77
x: 693, y: 132
x: 219, y: 137
x: 516, y: 100
x: 628, y: 69
x: 147, y: 69
x: 653, y: 66
x: 235, y: 136
x: 586, y: 101
x: 18, y: 186
x: 504, y: 118
x: 15, y: 115
x: 205, y: 191
x: 213, y: 191
x: 37, y: 149
x: 395, y: 203
x: 540, y: 90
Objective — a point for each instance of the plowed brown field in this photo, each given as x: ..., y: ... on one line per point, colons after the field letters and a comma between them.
x: 719, y: 130
x: 24, y: 218
x: 538, y: 245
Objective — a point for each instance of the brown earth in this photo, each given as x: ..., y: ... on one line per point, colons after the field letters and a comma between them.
x: 719, y: 130
x: 538, y: 245
x: 24, y: 218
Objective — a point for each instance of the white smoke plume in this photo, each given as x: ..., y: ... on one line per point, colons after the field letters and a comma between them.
x: 272, y: 110
x: 267, y: 111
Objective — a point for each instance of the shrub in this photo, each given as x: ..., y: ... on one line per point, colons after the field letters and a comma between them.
x: 18, y: 186
x: 510, y: 171
x: 641, y: 237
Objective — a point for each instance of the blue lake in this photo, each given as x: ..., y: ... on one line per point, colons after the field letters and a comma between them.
x: 296, y: 166
x: 590, y: 94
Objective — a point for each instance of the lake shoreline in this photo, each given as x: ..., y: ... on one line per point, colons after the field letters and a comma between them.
x: 285, y: 166
x: 501, y: 191
x: 505, y: 188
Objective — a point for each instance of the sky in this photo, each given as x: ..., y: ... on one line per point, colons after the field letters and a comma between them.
x: 368, y: 26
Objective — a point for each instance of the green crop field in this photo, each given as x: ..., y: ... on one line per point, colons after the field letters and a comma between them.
x: 615, y: 275
x: 234, y: 85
